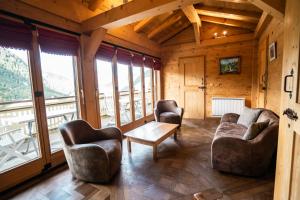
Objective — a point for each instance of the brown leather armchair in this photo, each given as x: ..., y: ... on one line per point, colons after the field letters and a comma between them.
x: 93, y: 155
x: 168, y: 111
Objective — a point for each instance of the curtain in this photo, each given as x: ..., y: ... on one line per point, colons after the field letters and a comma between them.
x: 148, y: 62
x: 137, y: 60
x: 105, y: 52
x: 57, y: 43
x: 156, y: 64
x: 15, y: 35
x: 124, y: 56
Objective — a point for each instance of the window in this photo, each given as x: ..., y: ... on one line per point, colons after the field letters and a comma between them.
x: 137, y: 91
x: 59, y: 82
x: 18, y: 132
x: 106, y: 93
x: 148, y: 90
x: 124, y: 93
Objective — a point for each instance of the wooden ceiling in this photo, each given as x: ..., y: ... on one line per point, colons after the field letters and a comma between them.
x: 165, y: 26
x: 161, y: 20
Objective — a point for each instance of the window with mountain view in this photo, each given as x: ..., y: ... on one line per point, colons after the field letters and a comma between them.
x: 18, y: 132
x: 106, y: 93
x: 58, y: 73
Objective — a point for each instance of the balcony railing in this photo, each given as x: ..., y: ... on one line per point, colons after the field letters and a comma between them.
x: 18, y: 131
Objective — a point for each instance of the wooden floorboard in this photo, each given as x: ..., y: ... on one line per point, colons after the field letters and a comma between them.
x: 183, y: 169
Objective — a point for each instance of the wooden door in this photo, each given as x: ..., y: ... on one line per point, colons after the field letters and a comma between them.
x: 262, y: 73
x: 192, y: 86
x: 288, y: 156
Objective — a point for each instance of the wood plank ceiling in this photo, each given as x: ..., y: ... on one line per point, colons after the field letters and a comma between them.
x: 243, y: 16
x: 235, y: 14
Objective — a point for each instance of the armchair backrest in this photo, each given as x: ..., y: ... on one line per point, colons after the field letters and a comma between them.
x: 77, y: 132
x: 166, y: 106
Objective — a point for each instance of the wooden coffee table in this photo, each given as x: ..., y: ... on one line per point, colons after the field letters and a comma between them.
x: 151, y: 134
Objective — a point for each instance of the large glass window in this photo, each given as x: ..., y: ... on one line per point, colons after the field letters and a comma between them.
x: 59, y: 83
x: 124, y: 93
x: 106, y: 93
x: 18, y: 132
x: 148, y: 90
x: 138, y: 91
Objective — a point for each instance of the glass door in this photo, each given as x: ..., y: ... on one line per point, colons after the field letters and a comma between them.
x: 148, y: 73
x: 106, y: 93
x: 18, y: 131
x: 137, y: 91
x: 124, y: 93
x: 59, y: 82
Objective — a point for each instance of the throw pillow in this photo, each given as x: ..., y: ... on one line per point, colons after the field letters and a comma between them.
x: 254, y: 129
x: 248, y: 116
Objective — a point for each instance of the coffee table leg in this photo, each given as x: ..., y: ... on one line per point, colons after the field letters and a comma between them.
x: 155, y: 153
x: 129, y: 145
x: 175, y: 135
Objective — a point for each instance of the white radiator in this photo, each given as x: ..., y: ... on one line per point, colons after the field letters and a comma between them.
x: 222, y: 105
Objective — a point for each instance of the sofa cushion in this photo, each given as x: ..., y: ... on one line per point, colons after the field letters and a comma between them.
x: 248, y: 116
x: 254, y: 129
x: 170, y: 117
x: 227, y: 129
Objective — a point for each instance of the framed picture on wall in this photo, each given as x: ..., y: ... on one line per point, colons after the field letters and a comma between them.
x: 272, y: 51
x: 230, y: 65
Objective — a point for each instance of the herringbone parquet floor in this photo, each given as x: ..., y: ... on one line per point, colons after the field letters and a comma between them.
x: 183, y: 169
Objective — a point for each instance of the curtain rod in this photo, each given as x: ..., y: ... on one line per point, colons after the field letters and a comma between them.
x: 32, y: 21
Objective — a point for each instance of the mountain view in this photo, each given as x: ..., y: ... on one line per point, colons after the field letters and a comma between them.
x: 15, y: 80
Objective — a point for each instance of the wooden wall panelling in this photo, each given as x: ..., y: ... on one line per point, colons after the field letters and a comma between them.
x: 217, y: 85
x: 275, y: 34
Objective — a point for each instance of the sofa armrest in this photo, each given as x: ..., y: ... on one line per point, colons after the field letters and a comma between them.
x: 231, y: 154
x: 230, y: 117
x: 110, y: 133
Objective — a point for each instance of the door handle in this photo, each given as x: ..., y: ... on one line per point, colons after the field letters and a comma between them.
x: 202, y: 87
x: 292, y: 115
x: 291, y: 75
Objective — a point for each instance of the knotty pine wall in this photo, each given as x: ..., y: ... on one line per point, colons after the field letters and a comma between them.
x: 234, y: 85
x: 275, y: 33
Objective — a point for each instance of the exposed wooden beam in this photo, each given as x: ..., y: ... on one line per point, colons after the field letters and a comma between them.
x: 94, y: 42
x: 28, y: 11
x: 94, y: 4
x: 173, y: 33
x: 139, y: 26
x: 264, y: 20
x: 169, y: 22
x: 89, y: 48
x: 127, y: 33
x: 229, y: 22
x: 132, y: 12
x: 229, y: 13
x: 274, y: 8
x: 191, y: 13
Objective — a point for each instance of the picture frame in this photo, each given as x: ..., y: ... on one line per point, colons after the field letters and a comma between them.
x: 230, y: 65
x: 272, y: 51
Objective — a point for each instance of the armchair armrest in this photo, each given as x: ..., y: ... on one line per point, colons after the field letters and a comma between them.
x: 110, y: 133
x: 230, y: 117
x: 180, y: 111
x: 83, y: 159
x: 156, y: 115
